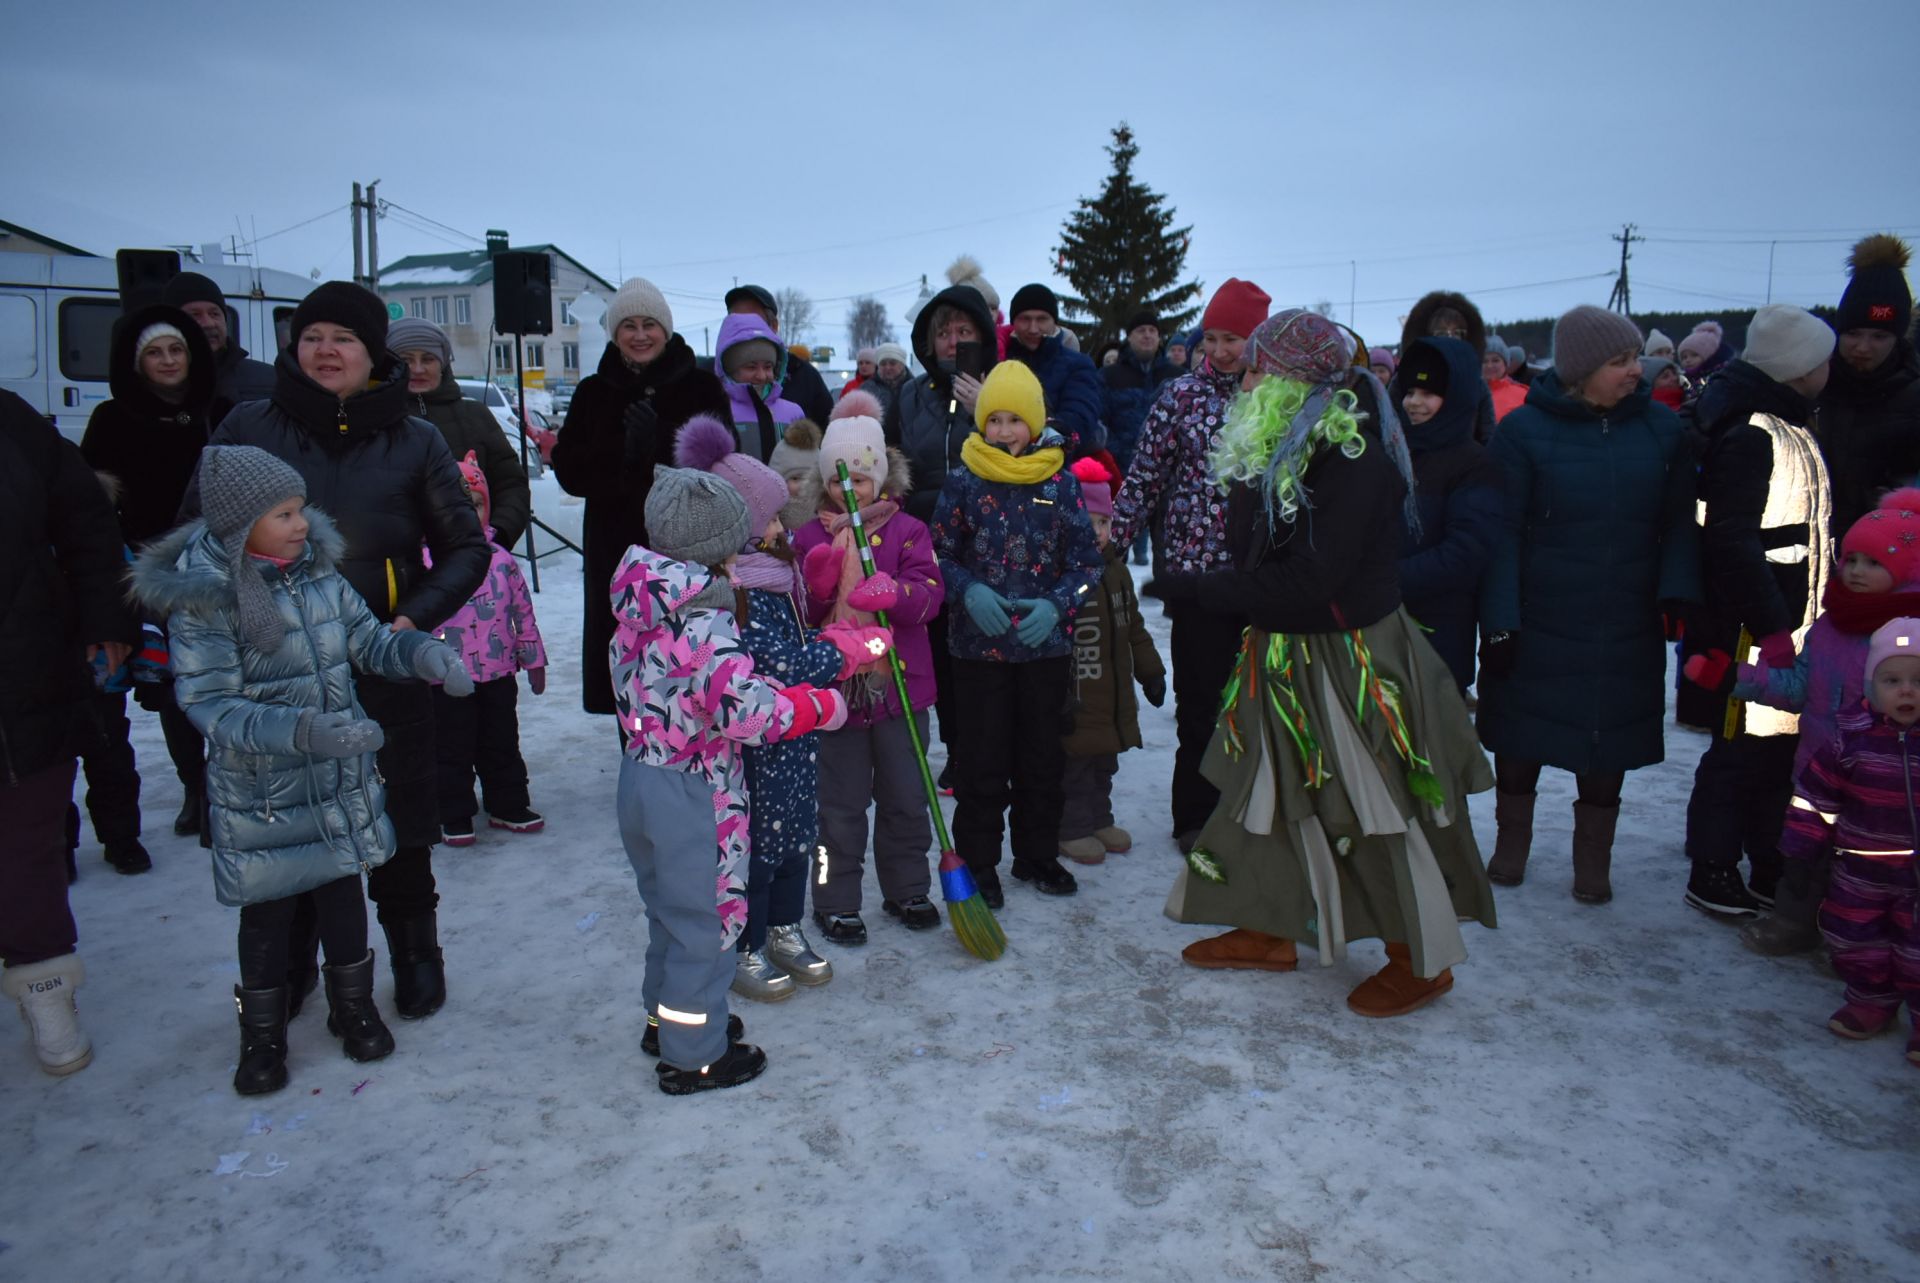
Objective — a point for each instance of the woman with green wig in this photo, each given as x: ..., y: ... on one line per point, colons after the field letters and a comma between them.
x: 1343, y: 752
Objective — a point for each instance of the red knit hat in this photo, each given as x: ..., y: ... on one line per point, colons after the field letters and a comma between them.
x: 474, y: 481
x: 1890, y: 534
x: 1236, y: 307
x: 1096, y: 480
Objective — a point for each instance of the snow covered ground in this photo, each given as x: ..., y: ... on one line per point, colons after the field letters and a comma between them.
x: 1614, y: 1093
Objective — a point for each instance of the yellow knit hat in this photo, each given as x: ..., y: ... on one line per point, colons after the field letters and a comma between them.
x: 1011, y: 386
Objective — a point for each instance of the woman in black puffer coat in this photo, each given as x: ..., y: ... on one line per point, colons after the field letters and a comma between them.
x: 623, y: 421
x: 339, y: 416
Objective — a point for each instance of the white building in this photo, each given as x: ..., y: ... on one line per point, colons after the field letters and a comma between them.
x: 455, y: 292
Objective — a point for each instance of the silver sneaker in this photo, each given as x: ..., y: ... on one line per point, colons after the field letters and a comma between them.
x: 759, y: 980
x: 787, y: 949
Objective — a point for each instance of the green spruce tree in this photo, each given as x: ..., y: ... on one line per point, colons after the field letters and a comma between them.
x: 1121, y: 253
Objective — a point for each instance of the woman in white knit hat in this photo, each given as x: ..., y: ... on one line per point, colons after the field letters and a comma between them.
x: 621, y: 423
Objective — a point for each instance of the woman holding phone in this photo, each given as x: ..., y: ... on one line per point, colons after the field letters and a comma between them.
x: 930, y: 418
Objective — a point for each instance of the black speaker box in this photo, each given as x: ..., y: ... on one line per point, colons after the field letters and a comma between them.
x: 144, y: 274
x: 522, y: 293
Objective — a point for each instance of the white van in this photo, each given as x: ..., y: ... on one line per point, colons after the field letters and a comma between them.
x: 57, y: 314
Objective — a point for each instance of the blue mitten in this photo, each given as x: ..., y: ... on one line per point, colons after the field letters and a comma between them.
x: 987, y: 609
x: 1037, y: 619
x: 440, y: 663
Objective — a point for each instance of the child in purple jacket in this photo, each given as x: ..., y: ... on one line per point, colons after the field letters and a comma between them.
x: 1878, y: 580
x: 1855, y: 802
x: 498, y: 638
x: 869, y: 762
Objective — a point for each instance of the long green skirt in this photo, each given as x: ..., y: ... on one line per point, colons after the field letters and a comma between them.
x: 1343, y: 762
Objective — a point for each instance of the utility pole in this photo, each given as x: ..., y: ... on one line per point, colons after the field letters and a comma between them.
x: 373, y: 238
x: 1771, y: 246
x: 1621, y: 298
x: 359, y: 271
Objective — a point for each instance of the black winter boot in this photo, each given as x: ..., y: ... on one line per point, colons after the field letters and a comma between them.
x: 419, y: 978
x: 351, y: 1015
x: 187, y: 823
x: 263, y: 1041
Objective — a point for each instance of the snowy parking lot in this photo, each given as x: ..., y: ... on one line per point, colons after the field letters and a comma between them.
x: 1617, y: 1093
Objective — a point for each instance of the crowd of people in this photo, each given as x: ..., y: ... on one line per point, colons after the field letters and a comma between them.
x: 1394, y: 576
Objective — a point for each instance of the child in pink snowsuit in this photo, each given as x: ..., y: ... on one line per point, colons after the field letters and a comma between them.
x: 497, y: 638
x: 1855, y: 801
x: 689, y: 703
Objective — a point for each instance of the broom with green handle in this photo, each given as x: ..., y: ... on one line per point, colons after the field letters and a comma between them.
x: 973, y: 922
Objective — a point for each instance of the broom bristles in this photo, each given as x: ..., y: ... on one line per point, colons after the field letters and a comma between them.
x: 973, y: 922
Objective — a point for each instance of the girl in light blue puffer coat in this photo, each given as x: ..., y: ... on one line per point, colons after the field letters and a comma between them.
x: 265, y: 638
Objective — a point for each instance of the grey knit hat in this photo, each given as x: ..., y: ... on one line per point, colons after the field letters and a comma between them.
x: 239, y: 484
x: 1785, y: 342
x: 638, y: 297
x: 416, y: 333
x: 695, y: 517
x: 1587, y: 338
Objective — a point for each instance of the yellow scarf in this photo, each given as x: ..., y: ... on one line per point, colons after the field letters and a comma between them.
x: 993, y: 464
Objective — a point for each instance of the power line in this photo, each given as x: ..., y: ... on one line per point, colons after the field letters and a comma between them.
x: 386, y: 205
x: 296, y: 227
x: 1492, y: 289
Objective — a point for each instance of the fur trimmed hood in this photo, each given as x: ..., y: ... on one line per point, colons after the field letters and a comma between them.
x: 187, y: 569
x: 1420, y: 320
x: 897, y: 486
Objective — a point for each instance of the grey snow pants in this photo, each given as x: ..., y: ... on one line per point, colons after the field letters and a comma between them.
x: 667, y: 827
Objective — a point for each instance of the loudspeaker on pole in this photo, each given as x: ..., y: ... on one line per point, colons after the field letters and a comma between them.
x: 522, y: 293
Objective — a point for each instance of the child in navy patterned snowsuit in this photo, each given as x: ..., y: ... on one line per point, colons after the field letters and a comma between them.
x: 783, y: 779
x: 1017, y: 554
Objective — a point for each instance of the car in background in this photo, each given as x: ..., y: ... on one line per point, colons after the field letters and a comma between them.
x: 540, y: 433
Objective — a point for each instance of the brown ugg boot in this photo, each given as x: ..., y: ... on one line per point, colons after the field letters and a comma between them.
x: 1242, y: 950
x: 1513, y: 840
x: 1593, y: 851
x: 1394, y: 990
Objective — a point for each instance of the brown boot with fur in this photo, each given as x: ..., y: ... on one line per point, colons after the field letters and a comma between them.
x: 1242, y: 950
x: 1394, y: 990
x: 1513, y: 838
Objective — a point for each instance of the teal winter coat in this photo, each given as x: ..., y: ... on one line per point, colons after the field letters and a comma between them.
x: 283, y: 821
x: 1600, y: 533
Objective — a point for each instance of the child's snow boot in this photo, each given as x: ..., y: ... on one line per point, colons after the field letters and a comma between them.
x: 1593, y: 828
x: 44, y: 991
x: 915, y: 914
x: 759, y: 980
x: 841, y: 928
x: 1394, y: 990
x: 789, y: 950
x: 351, y: 1015
x: 1049, y: 877
x: 263, y: 1040
x: 1775, y: 936
x: 1860, y: 1020
x: 1087, y: 850
x: 1513, y: 838
x: 740, y: 1063
x: 419, y: 972
x: 519, y: 819
x: 1116, y: 839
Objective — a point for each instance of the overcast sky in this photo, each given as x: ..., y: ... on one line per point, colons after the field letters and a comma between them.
x: 1359, y: 150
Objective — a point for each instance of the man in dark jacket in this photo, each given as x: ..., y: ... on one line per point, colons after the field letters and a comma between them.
x: 801, y: 383
x: 1071, y: 381
x: 1765, y: 560
x: 60, y: 603
x: 237, y: 377
x: 1869, y: 416
x: 1131, y: 384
